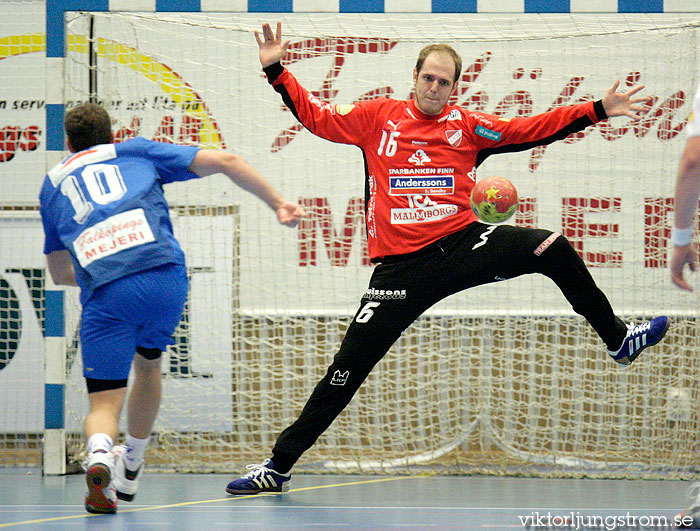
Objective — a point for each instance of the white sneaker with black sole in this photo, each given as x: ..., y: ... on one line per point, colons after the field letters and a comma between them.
x: 126, y: 480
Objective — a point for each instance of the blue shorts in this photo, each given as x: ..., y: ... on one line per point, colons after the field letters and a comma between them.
x: 140, y: 310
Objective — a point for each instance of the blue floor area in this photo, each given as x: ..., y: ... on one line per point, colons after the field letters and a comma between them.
x: 198, y: 501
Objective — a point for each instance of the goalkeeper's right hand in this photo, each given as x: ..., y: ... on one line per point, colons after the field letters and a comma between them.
x: 290, y: 214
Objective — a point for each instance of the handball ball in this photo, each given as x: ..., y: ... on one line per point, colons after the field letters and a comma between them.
x: 494, y: 199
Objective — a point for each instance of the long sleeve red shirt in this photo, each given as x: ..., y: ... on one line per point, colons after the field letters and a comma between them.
x: 420, y: 169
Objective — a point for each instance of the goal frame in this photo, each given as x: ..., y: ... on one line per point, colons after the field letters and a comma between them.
x: 54, y: 446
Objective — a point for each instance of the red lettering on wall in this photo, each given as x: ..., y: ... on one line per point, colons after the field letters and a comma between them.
x: 30, y: 138
x: 190, y: 130
x: 15, y: 138
x: 477, y: 101
x: 125, y: 133
x: 338, y: 245
x: 9, y: 137
x: 562, y: 99
x: 166, y: 130
x: 575, y: 228
x: 664, y: 115
x: 517, y: 104
x: 526, y: 215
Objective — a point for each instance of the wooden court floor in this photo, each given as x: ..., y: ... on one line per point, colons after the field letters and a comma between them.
x: 355, y: 503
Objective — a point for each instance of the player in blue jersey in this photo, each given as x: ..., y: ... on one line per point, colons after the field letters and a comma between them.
x: 107, y: 230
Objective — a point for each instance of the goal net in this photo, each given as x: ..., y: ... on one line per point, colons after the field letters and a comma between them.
x: 500, y: 379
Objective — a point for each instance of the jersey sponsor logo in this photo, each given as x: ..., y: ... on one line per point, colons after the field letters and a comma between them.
x: 419, y: 158
x: 343, y: 108
x: 442, y: 185
x: 383, y: 294
x: 404, y: 216
x: 543, y: 246
x: 454, y: 137
x: 487, y: 133
x: 482, y: 119
x: 421, y: 171
x: 371, y: 207
x: 454, y: 115
x: 113, y: 235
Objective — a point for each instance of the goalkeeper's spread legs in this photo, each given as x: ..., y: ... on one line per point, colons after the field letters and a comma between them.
x: 402, y: 289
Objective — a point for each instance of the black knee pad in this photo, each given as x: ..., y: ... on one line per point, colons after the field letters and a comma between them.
x: 95, y: 386
x: 149, y: 353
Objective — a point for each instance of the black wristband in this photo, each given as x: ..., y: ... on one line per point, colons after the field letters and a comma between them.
x: 599, y: 110
x: 273, y: 71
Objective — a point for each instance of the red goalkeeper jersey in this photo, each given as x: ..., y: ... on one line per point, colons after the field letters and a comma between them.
x: 420, y: 168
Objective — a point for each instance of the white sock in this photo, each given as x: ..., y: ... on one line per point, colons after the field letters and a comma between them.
x: 99, y: 441
x: 135, y: 450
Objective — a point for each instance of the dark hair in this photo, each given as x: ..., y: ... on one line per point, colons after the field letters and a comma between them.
x: 440, y: 48
x: 88, y: 125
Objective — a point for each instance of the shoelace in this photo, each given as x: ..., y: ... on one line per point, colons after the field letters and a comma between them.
x: 257, y: 470
x: 632, y: 329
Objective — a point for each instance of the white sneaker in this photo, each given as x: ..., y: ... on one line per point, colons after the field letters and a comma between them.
x: 690, y: 518
x: 126, y: 481
x: 101, y: 496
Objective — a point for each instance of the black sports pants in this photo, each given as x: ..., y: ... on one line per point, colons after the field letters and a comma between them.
x: 402, y: 288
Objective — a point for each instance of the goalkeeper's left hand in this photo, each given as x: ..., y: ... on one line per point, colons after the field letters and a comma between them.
x: 622, y: 103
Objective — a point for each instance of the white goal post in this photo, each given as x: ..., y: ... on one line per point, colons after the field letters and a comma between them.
x: 501, y: 379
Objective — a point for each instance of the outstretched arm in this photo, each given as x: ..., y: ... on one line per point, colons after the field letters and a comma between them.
x: 272, y: 49
x: 686, y: 200
x: 209, y: 161
x: 622, y: 103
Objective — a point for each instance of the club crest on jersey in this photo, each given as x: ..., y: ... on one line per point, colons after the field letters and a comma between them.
x: 419, y: 158
x: 454, y: 137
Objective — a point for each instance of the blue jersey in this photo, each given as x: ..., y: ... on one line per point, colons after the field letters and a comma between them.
x: 106, y: 206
